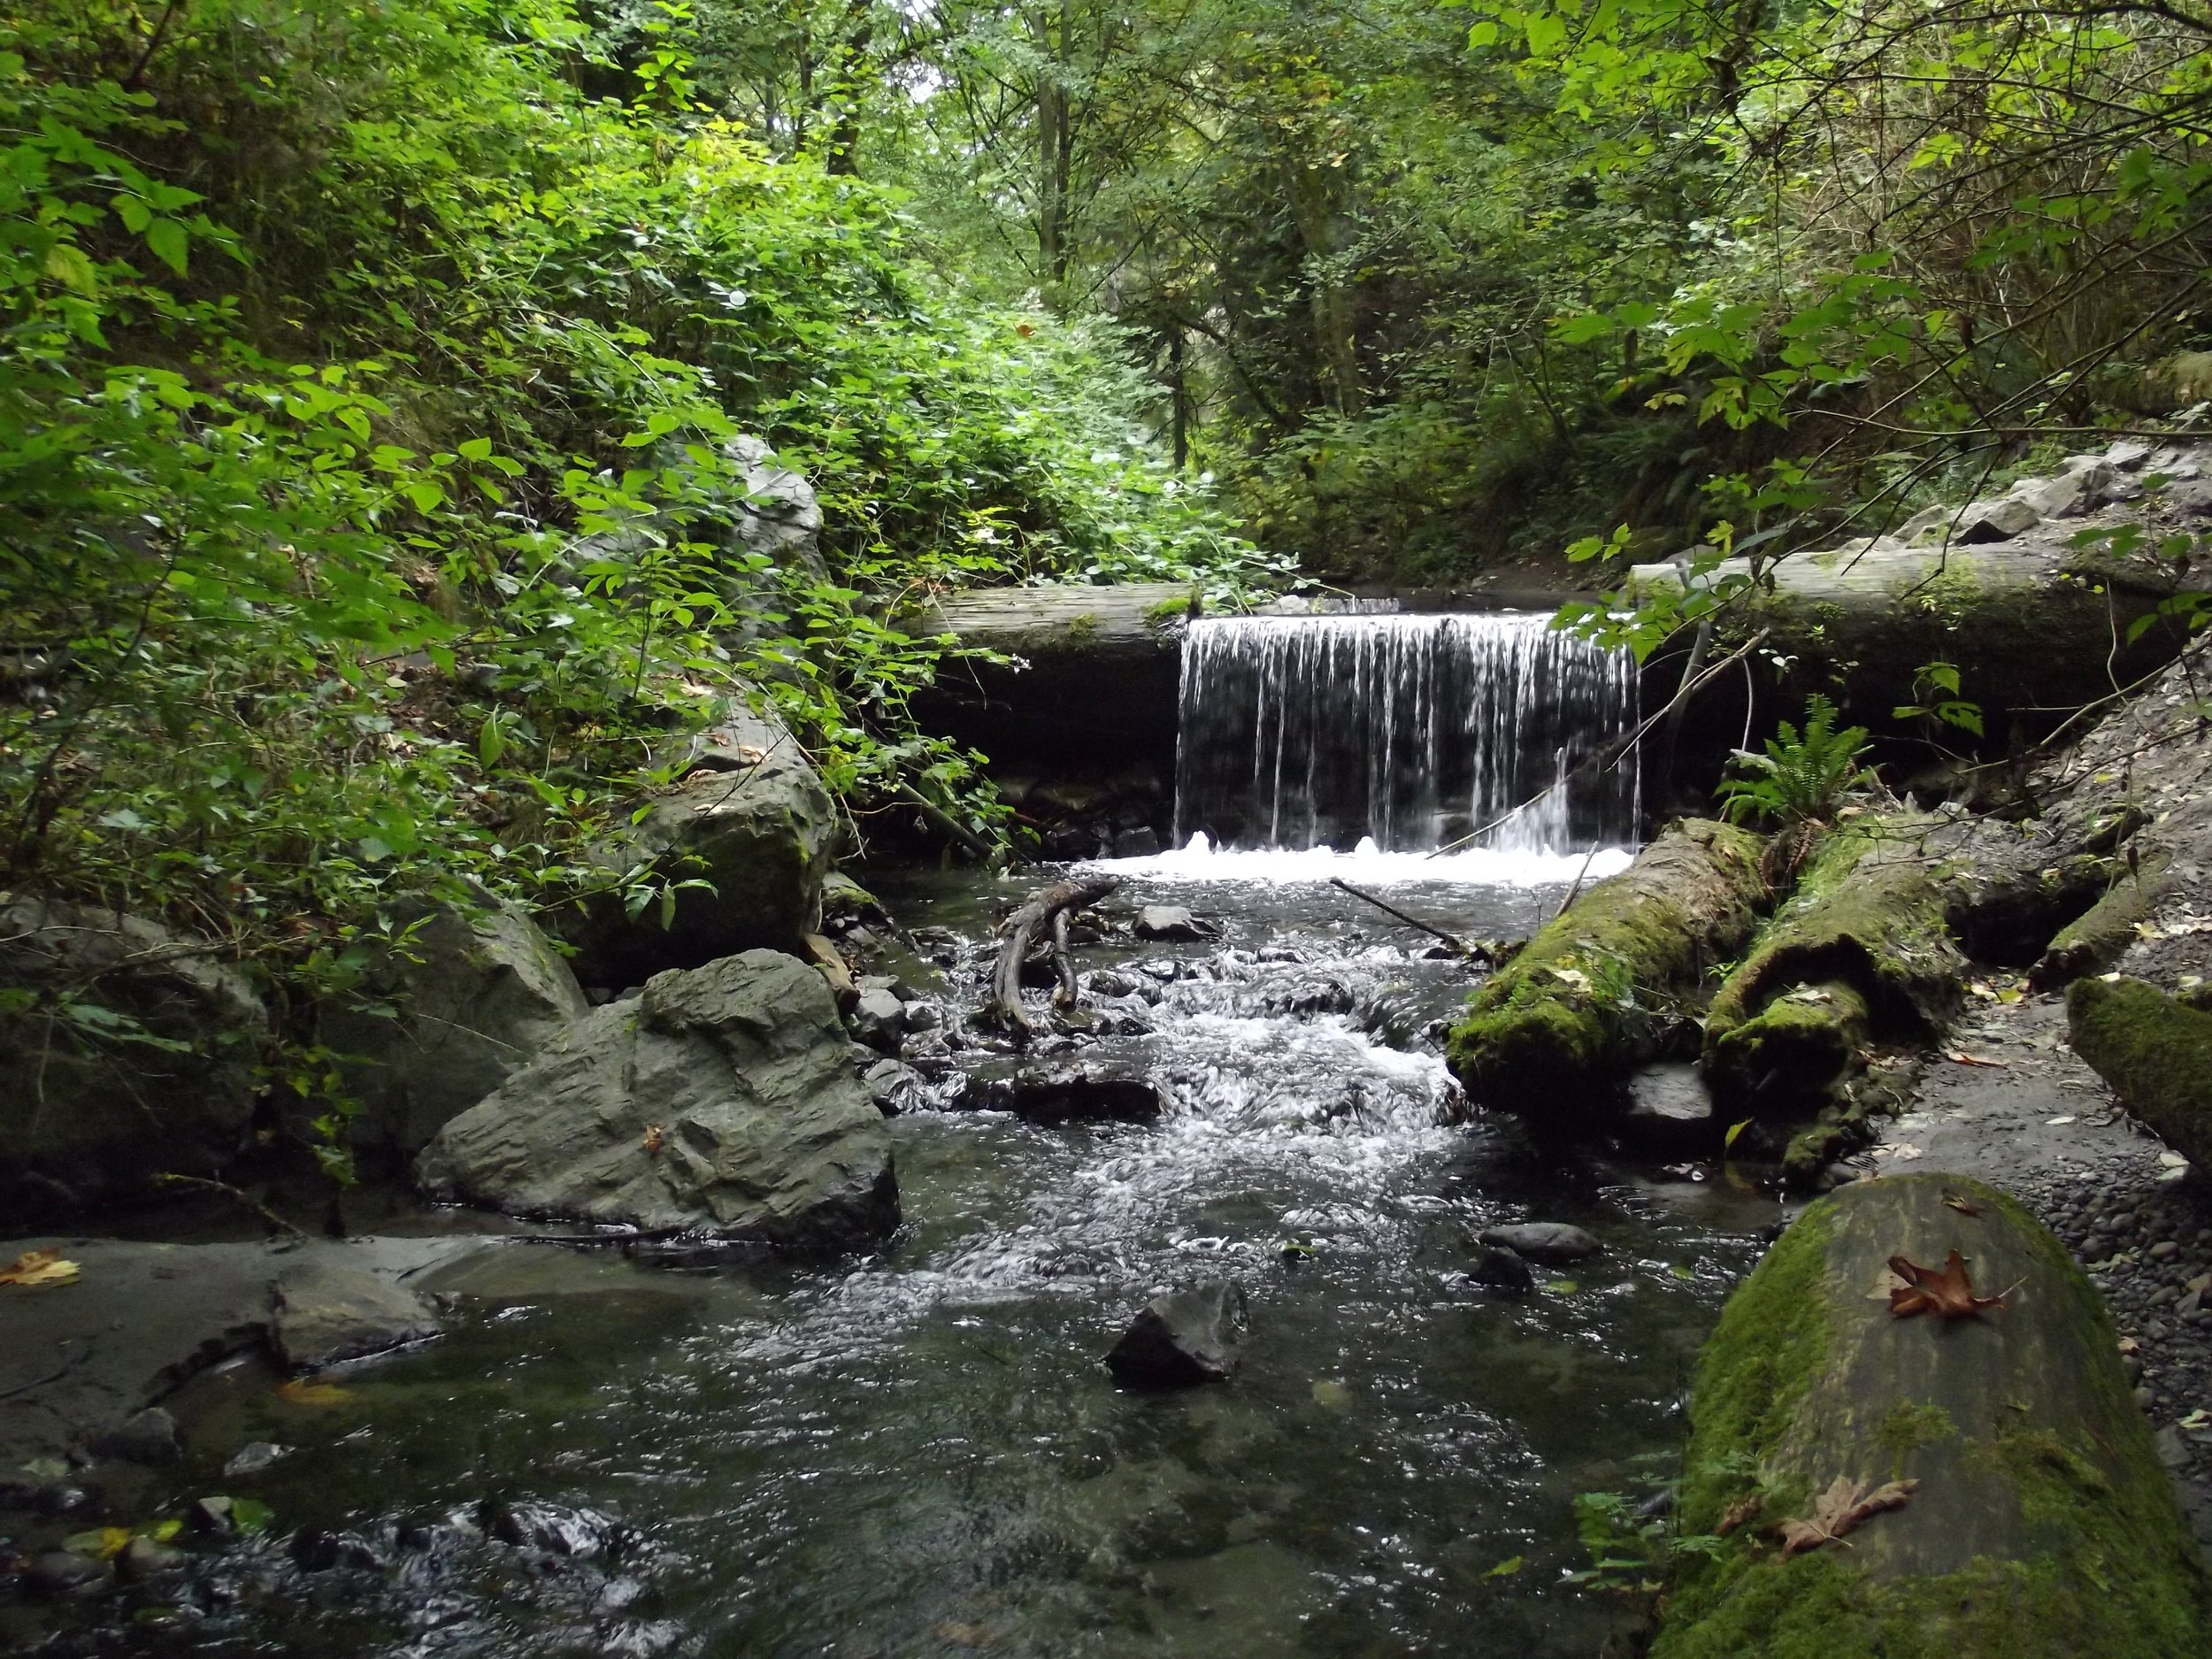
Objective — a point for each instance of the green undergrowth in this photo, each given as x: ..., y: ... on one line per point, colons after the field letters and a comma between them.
x: 372, y: 503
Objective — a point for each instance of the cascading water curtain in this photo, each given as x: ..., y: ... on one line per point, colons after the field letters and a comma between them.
x: 1415, y: 730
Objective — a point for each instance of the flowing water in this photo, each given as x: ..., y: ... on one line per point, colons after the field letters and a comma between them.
x: 1408, y: 730
x: 919, y: 1452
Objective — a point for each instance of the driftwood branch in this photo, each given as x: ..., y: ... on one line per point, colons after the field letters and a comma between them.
x: 1461, y: 945
x: 1063, y: 963
x: 1048, y: 910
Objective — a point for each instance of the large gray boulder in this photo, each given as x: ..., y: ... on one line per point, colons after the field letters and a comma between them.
x: 445, y: 1016
x: 747, y: 816
x: 722, y: 1100
x: 779, y: 516
x: 129, y: 1051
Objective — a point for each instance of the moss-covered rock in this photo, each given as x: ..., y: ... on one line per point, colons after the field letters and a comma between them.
x: 2155, y: 1052
x: 1861, y: 950
x: 2043, y: 1526
x: 1554, y: 1033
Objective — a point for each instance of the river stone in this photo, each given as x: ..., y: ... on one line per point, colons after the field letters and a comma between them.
x: 1669, y: 1110
x: 896, y: 1088
x: 325, y: 1314
x: 473, y: 997
x: 877, y: 1019
x: 722, y: 1100
x: 779, y: 514
x: 749, y: 817
x: 1542, y: 1241
x: 1180, y: 1339
x: 1501, y: 1269
x: 59, y: 1573
x: 147, y: 1437
x: 1066, y: 1092
x: 87, y: 1119
x: 1171, y: 922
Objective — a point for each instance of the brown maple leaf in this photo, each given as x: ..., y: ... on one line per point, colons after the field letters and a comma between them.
x: 1947, y: 1294
x: 1843, y: 1508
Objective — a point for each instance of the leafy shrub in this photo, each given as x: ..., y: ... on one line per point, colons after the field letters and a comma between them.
x: 1802, y: 777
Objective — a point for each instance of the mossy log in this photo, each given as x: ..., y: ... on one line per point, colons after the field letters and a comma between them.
x: 2095, y: 939
x: 1861, y: 950
x: 2156, y: 1054
x: 1553, y: 1034
x: 2043, y: 1526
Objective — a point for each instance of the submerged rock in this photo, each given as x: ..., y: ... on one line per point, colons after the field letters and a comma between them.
x: 1066, y: 1093
x: 326, y: 1315
x: 722, y: 1100
x: 1172, y: 922
x: 1542, y: 1241
x: 1501, y: 1269
x: 1181, y: 1338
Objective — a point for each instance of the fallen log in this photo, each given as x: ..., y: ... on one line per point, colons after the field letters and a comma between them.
x: 1553, y: 1034
x: 2042, y: 1525
x: 1859, y: 951
x: 2155, y: 1052
x: 1042, y: 909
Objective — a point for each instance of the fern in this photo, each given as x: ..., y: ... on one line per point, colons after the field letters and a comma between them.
x: 1802, y: 776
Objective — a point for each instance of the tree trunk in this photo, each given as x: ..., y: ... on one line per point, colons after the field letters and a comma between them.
x: 2043, y: 1526
x: 1553, y: 1034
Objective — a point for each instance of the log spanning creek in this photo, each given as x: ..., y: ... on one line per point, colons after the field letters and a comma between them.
x: 920, y: 1451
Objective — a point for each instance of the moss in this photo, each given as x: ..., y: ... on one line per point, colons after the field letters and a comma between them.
x: 1866, y: 909
x: 2156, y: 1053
x: 1082, y: 628
x: 1910, y: 1426
x: 1796, y: 1049
x: 1584, y: 1000
x: 1760, y: 1361
x: 1169, y: 611
x: 2095, y: 939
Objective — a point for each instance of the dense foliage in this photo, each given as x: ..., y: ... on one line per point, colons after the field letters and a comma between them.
x: 1439, y: 282
x: 372, y: 493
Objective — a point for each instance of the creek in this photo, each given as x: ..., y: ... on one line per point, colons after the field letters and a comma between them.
x: 920, y: 1451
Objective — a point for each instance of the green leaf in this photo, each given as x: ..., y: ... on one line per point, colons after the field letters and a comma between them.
x: 1506, y: 1569
x: 169, y: 243
x: 1728, y: 1140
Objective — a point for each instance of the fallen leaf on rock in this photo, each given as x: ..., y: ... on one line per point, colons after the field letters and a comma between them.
x: 102, y: 1541
x: 2197, y: 1419
x: 1505, y: 1569
x: 301, y: 1392
x: 1960, y: 1202
x: 1947, y: 1294
x: 2053, y: 1122
x: 1959, y: 1056
x: 2173, y: 1161
x: 1844, y: 1507
x: 654, y: 1138
x: 34, y: 1268
x: 1900, y: 1151
x: 2129, y: 1345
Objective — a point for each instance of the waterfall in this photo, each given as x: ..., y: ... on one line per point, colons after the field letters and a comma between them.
x: 1414, y: 730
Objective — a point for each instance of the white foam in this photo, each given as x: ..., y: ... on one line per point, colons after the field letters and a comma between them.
x: 1366, y: 865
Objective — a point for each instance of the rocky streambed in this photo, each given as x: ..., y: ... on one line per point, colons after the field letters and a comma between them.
x: 920, y: 1449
